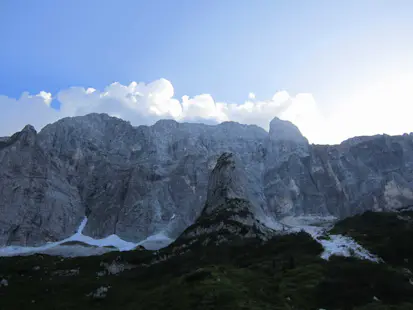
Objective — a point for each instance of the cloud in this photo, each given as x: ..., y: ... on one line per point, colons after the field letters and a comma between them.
x: 17, y: 113
x: 142, y: 103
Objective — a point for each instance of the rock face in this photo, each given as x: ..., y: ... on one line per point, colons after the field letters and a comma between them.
x: 138, y: 181
x: 359, y: 174
x: 228, y: 215
x: 227, y: 181
x: 37, y: 203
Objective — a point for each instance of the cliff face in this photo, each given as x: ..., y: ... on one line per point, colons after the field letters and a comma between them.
x: 37, y: 203
x: 358, y: 175
x: 228, y: 214
x: 139, y: 181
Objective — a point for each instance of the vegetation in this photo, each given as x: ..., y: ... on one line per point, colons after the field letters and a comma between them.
x: 284, y: 273
x: 386, y: 234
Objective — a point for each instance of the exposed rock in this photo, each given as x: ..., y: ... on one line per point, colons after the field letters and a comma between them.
x: 37, y: 203
x: 114, y: 268
x: 4, y: 283
x: 99, y: 293
x: 340, y: 180
x: 132, y: 180
x: 227, y: 181
x: 139, y: 181
x: 228, y: 215
x: 67, y: 273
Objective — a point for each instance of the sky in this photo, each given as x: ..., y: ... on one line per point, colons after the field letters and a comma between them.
x: 336, y: 69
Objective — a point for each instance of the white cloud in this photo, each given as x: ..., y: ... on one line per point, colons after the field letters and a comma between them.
x: 383, y: 108
x: 17, y: 113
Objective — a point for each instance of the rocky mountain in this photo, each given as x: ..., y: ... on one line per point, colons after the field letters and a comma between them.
x: 135, y: 182
x: 228, y: 215
x: 235, y: 254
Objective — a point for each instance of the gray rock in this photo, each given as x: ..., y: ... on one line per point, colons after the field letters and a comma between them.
x: 363, y: 173
x: 228, y: 215
x: 37, y: 203
x: 133, y: 180
x: 138, y: 181
x: 227, y: 181
x: 4, y: 283
x: 99, y: 293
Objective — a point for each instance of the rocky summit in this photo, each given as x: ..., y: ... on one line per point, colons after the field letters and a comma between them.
x: 137, y: 182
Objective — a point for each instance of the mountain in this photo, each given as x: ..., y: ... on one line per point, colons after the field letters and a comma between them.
x: 228, y: 216
x: 137, y: 182
x: 233, y: 256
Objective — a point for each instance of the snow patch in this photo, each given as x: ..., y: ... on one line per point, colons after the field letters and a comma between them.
x: 156, y: 242
x: 333, y: 244
x: 74, y: 251
x: 100, y: 246
x: 82, y: 226
x: 344, y: 246
x: 112, y: 240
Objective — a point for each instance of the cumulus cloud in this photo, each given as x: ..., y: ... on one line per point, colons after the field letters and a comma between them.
x: 142, y: 103
x: 28, y: 109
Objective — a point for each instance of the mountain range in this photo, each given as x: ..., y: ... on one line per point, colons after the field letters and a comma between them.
x: 191, y: 216
x: 138, y: 182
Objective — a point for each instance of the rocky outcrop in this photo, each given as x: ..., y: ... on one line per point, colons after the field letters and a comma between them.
x: 228, y: 215
x: 138, y: 181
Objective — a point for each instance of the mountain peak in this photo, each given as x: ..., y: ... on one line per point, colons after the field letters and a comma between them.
x: 281, y: 130
x: 28, y: 135
x: 226, y: 181
x: 29, y: 128
x: 166, y: 123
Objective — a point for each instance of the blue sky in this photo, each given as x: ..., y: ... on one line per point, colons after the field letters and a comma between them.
x: 333, y: 50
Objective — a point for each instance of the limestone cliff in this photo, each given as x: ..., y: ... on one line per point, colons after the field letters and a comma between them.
x: 138, y: 181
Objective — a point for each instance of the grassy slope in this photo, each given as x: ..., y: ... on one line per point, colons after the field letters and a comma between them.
x: 284, y: 273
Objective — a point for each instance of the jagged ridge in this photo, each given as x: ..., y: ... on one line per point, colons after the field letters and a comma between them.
x: 138, y: 181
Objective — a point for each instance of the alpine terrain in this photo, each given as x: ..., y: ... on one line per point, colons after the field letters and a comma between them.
x: 98, y: 214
